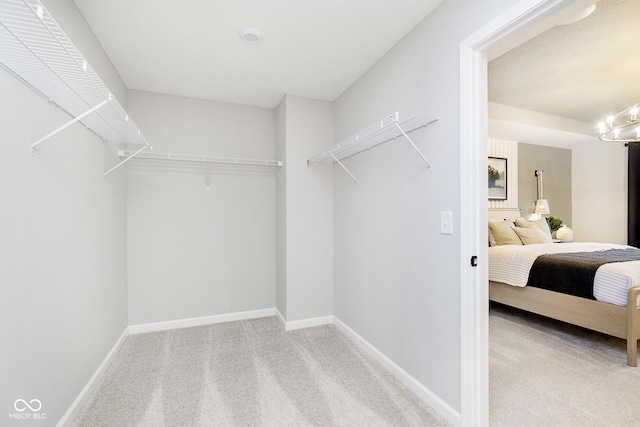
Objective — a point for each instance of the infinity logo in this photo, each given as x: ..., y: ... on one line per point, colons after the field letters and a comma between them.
x: 22, y: 405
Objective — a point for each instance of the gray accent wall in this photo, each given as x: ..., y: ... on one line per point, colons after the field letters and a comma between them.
x: 556, y: 164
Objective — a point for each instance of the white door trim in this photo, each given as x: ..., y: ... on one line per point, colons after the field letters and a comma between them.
x: 473, y: 199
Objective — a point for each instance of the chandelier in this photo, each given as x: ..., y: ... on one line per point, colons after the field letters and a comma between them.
x: 623, y: 127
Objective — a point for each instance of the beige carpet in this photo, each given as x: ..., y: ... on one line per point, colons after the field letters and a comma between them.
x: 250, y: 373
x: 548, y: 373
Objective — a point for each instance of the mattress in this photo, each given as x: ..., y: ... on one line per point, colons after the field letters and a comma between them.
x: 510, y: 264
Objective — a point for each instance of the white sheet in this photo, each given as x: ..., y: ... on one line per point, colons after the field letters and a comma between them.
x: 511, y: 264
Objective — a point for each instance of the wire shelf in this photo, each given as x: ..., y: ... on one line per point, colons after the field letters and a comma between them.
x: 192, y: 158
x: 34, y: 48
x: 391, y: 127
x: 378, y: 133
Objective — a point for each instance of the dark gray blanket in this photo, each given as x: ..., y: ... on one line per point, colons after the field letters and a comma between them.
x: 573, y: 273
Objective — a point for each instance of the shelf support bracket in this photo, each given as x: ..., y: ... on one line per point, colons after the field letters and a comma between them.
x: 124, y: 161
x: 414, y: 146
x: 344, y: 167
x: 66, y: 125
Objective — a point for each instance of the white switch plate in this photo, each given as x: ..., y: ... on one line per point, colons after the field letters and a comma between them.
x: 446, y: 223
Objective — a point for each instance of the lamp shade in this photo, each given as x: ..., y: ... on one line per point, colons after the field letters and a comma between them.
x: 542, y: 207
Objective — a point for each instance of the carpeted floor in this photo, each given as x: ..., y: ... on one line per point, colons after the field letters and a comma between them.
x: 548, y: 373
x: 250, y: 373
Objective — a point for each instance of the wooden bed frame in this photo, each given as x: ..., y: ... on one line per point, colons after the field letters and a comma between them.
x: 610, y: 319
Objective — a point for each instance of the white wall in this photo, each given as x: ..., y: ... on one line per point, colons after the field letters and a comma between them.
x: 62, y: 246
x: 77, y: 29
x: 305, y: 202
x: 397, y: 280
x: 281, y: 208
x: 193, y: 252
x: 599, y: 193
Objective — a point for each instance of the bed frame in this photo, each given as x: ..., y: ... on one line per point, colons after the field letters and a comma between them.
x: 610, y: 319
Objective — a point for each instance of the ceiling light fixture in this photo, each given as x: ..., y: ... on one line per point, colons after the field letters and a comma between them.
x: 622, y: 127
x: 577, y: 16
x: 251, y: 35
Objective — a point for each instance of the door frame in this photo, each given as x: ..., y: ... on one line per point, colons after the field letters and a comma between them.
x: 474, y: 292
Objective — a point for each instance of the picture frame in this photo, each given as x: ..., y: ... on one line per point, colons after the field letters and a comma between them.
x: 497, y: 177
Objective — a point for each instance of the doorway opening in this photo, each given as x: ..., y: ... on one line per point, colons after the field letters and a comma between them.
x: 515, y: 26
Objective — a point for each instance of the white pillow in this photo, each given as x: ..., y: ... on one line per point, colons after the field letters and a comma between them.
x: 541, y: 223
x: 532, y: 235
x: 503, y: 233
x: 492, y: 241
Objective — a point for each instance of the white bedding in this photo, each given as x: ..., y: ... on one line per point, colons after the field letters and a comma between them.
x: 510, y: 264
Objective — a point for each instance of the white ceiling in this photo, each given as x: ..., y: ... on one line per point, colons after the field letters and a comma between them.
x: 582, y: 71
x: 311, y: 48
x: 318, y: 48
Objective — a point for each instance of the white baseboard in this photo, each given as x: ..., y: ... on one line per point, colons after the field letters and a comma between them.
x: 200, y: 321
x: 80, y: 401
x: 403, y: 376
x: 308, y: 323
x: 304, y: 323
x: 281, y: 318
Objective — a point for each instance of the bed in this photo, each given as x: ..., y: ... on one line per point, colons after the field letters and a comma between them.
x: 616, y: 288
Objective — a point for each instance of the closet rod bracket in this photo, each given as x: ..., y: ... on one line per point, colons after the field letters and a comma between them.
x: 344, y: 167
x: 414, y: 145
x: 125, y: 161
x: 69, y: 123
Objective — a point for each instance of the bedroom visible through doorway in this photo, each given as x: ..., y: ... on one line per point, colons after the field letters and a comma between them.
x: 509, y: 30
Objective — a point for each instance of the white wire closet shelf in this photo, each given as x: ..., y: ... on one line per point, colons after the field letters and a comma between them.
x: 387, y: 129
x: 200, y: 159
x: 34, y: 48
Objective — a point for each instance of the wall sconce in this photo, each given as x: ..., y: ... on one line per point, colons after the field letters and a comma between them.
x: 542, y: 205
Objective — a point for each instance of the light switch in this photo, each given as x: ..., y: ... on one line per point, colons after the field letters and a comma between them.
x: 446, y: 223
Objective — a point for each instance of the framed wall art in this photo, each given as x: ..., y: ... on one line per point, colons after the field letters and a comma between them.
x: 497, y: 178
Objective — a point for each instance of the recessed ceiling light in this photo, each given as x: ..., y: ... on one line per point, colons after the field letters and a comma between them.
x: 251, y: 35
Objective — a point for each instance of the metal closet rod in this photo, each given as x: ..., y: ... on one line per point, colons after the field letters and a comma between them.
x: 195, y: 158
